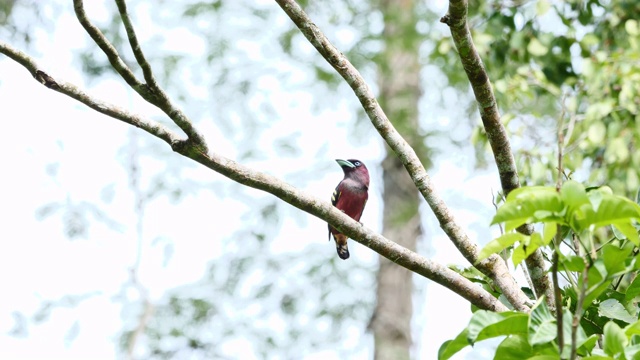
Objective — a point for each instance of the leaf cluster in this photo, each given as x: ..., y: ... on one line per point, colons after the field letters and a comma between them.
x: 572, y: 64
x: 601, y: 291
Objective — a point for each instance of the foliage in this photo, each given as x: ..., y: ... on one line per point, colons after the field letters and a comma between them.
x: 572, y: 64
x: 534, y: 336
x: 568, y: 67
x: 593, y: 267
x: 254, y: 299
x: 573, y: 61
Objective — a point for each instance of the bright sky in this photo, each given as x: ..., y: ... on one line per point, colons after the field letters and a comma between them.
x: 47, y: 133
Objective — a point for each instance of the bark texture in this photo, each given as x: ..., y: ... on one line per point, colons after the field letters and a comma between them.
x: 399, y: 82
x: 195, y: 151
x: 457, y: 19
x: 195, y: 148
x: 493, y: 267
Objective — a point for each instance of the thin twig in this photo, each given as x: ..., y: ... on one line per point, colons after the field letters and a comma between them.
x: 108, y: 49
x: 558, y: 293
x: 493, y: 266
x: 71, y: 90
x: 160, y: 99
x: 135, y: 45
x: 558, y: 237
x: 147, y: 311
x: 150, y: 91
x: 289, y: 194
x: 579, y: 305
x: 139, y: 207
x: 504, y: 254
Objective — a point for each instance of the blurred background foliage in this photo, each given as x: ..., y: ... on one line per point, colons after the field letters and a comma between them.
x: 574, y: 64
x: 269, y: 302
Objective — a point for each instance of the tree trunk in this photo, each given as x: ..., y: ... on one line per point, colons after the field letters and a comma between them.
x: 399, y: 81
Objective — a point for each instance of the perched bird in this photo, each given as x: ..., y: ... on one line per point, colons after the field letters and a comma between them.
x: 350, y: 196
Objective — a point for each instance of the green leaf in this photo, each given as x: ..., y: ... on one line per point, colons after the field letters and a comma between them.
x: 549, y: 232
x: 579, y: 209
x: 573, y: 263
x: 514, y: 347
x: 500, y: 243
x: 614, y: 258
x: 599, y: 110
x: 632, y: 28
x: 588, y: 344
x: 573, y: 194
x: 617, y: 233
x: 518, y: 255
x: 597, y: 281
x: 595, y: 197
x: 617, y: 151
x: 597, y: 132
x: 628, y: 231
x: 486, y: 324
x: 631, y: 352
x: 542, y: 7
x: 581, y: 336
x: 615, y: 339
x: 527, y: 203
x: 612, y: 309
x: 542, y: 325
x: 632, y: 329
x: 633, y: 290
x: 596, y: 291
x: 536, y: 48
x: 527, y: 248
x: 451, y: 347
x: 614, y: 209
x: 581, y: 217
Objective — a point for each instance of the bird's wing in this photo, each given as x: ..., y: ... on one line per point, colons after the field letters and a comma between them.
x: 334, y: 201
x: 336, y: 194
x: 363, y: 206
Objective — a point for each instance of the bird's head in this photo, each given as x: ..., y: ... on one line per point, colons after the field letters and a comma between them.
x: 355, y: 169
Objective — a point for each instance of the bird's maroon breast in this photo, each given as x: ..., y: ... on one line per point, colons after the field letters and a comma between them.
x: 352, y: 203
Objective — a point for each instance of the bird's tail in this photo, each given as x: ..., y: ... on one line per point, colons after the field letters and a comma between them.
x: 341, y: 246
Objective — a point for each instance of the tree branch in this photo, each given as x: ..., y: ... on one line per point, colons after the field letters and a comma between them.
x: 135, y: 45
x: 150, y: 91
x: 246, y: 176
x: 456, y: 19
x: 71, y: 90
x: 108, y: 49
x: 493, y: 267
x: 325, y: 211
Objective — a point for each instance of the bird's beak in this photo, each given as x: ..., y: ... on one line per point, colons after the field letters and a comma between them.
x: 344, y: 163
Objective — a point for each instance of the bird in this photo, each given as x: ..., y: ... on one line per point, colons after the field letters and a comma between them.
x: 350, y: 197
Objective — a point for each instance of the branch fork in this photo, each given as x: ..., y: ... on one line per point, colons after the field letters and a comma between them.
x: 194, y: 147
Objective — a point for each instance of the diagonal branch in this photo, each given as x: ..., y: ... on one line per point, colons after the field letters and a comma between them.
x: 325, y: 211
x: 108, y: 49
x: 160, y: 98
x: 456, y: 18
x: 150, y: 91
x: 246, y: 176
x: 61, y: 86
x: 135, y: 45
x: 493, y: 267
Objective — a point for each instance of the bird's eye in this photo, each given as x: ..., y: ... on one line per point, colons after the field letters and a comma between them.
x: 357, y: 163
